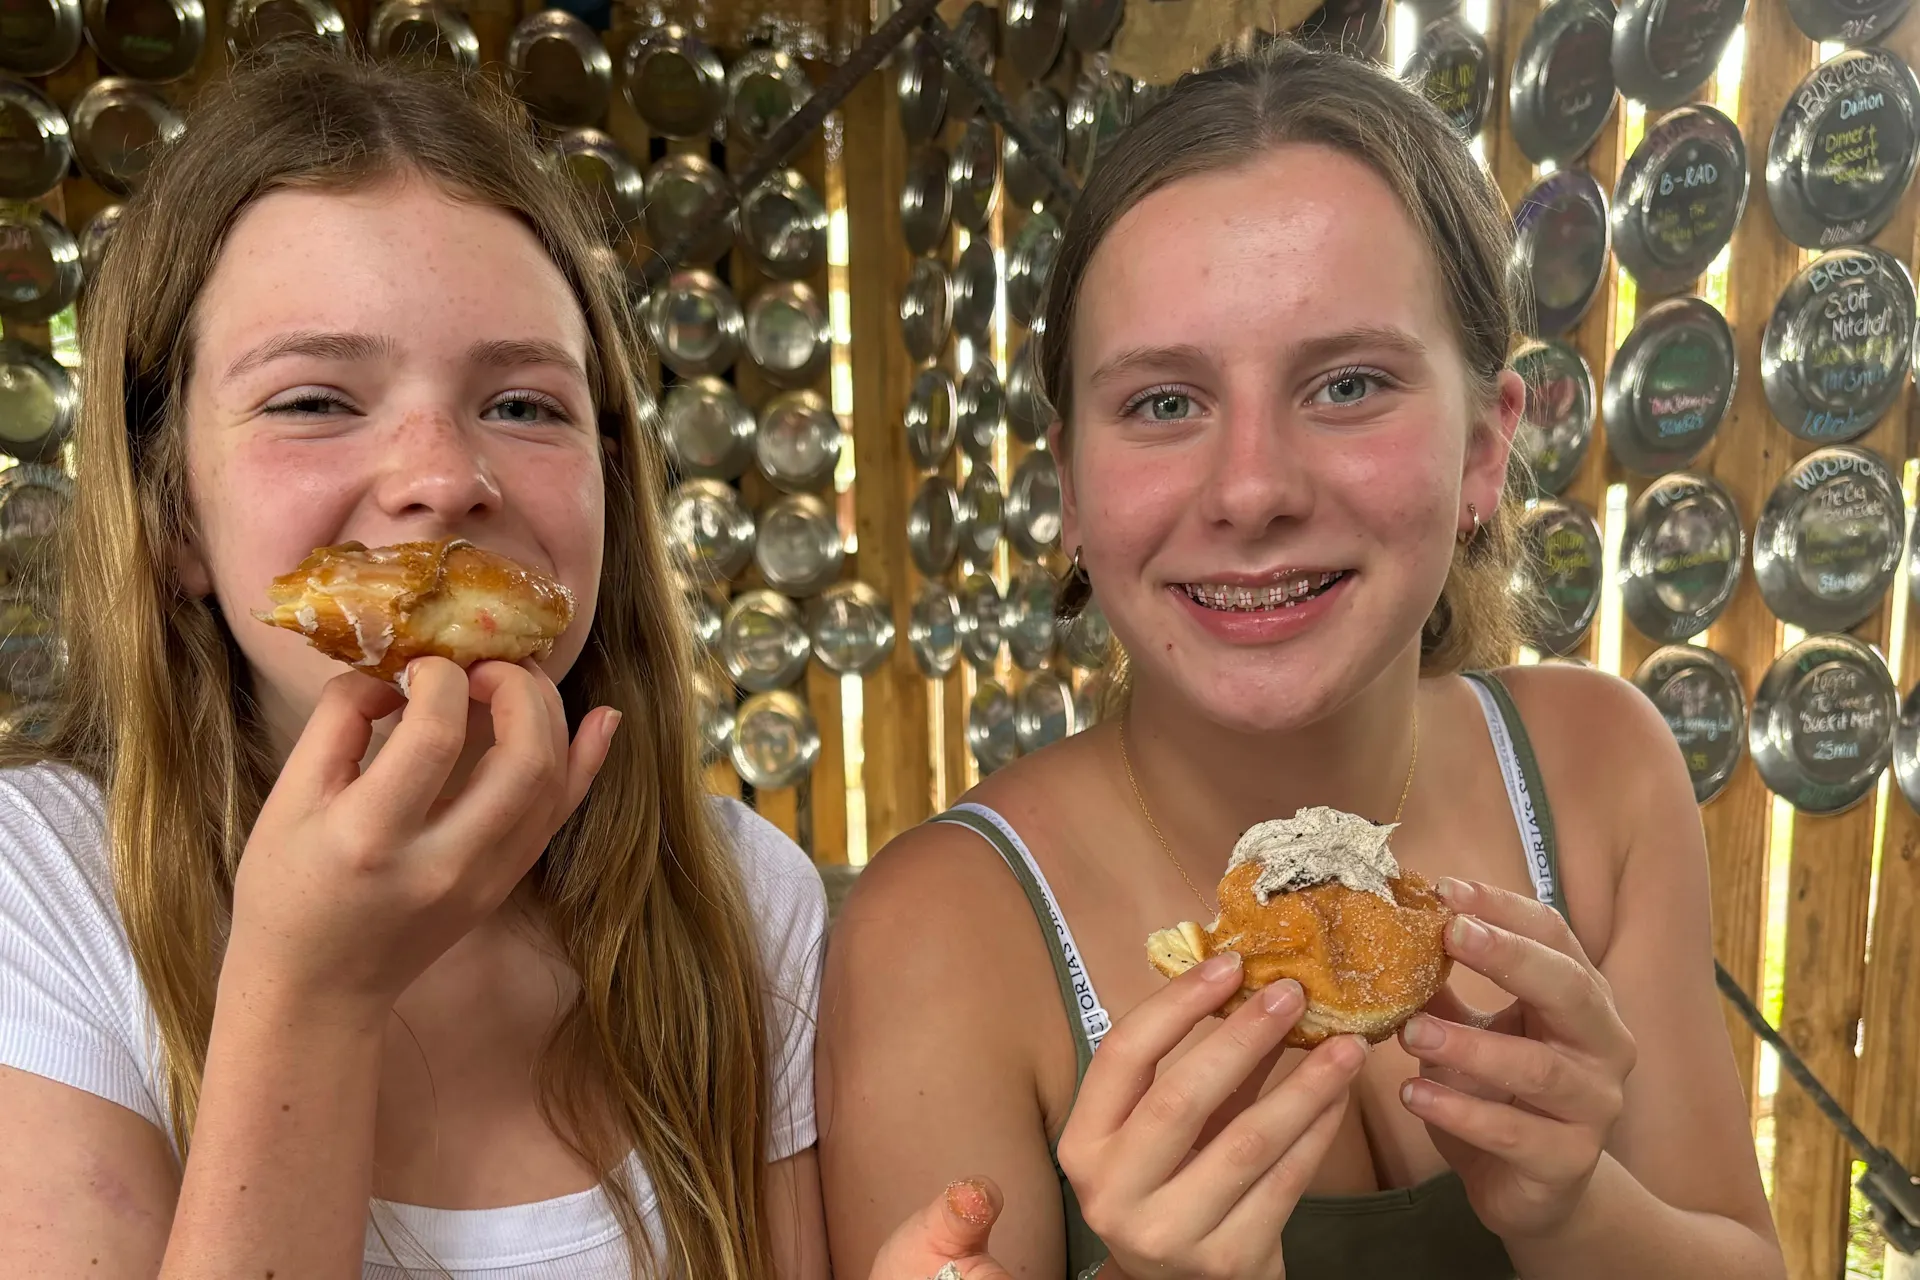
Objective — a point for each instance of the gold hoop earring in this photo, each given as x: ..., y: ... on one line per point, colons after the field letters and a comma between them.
x: 1464, y: 536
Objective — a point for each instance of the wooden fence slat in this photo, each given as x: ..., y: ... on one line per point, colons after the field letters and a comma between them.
x: 899, y: 761
x: 1748, y: 457
x: 1507, y: 26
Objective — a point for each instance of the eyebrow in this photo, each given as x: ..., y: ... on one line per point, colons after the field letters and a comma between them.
x: 360, y: 347
x: 1312, y: 350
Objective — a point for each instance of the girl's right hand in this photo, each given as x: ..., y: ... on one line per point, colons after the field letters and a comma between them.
x: 1166, y: 1207
x: 354, y: 882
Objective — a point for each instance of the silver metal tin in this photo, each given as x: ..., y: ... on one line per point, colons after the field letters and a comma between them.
x: 933, y: 526
x: 674, y: 81
x: 560, y: 69
x: 1679, y: 197
x: 1028, y: 413
x: 1558, y: 424
x: 763, y: 641
x: 926, y: 199
x: 1098, y: 109
x: 920, y: 87
x: 1088, y: 639
x: 1838, y: 347
x: 709, y: 530
x: 1669, y: 386
x: 1560, y: 245
x: 931, y: 418
x: 682, y: 193
x: 799, y: 548
x: 1028, y: 266
x: 1682, y: 555
x: 991, y: 732
x: 982, y: 410
x: 606, y: 176
x: 1033, y: 505
x: 974, y: 174
x: 788, y: 336
x: 981, y: 620
x: 1823, y: 723
x: 977, y: 33
x: 775, y: 740
x: 976, y: 280
x: 32, y: 655
x: 252, y: 25
x: 1827, y: 544
x: 1045, y: 116
x: 1033, y: 31
x: 852, y: 628
x: 705, y: 616
x: 695, y: 324
x: 1027, y: 616
x: 154, y: 40
x: 763, y: 89
x: 1453, y: 69
x: 1842, y: 153
x: 784, y: 226
x: 39, y: 265
x: 36, y: 147
x: 34, y: 501
x: 799, y: 441
x: 1664, y: 50
x: 982, y: 515
x: 708, y: 429
x: 713, y: 711
x: 424, y: 29
x: 1854, y: 22
x: 1562, y: 572
x: 1698, y: 693
x: 933, y: 630
x: 1091, y: 24
x: 37, y: 401
x: 94, y: 237
x: 926, y: 309
x: 38, y: 37
x: 119, y: 129
x: 1044, y: 712
x: 1563, y: 91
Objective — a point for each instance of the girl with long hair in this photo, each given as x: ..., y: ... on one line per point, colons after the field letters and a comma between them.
x: 1276, y: 344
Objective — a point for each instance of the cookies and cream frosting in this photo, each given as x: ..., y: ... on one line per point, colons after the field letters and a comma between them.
x: 1318, y: 845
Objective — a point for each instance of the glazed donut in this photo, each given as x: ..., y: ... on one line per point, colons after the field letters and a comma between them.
x: 1319, y: 898
x: 380, y: 609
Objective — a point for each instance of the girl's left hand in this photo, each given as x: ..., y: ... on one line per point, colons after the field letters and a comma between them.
x: 1519, y: 1102
x: 953, y: 1230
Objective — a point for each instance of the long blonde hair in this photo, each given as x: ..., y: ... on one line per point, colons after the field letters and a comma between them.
x: 669, y: 1035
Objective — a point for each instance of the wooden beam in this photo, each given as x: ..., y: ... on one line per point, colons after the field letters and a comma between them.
x: 1507, y: 26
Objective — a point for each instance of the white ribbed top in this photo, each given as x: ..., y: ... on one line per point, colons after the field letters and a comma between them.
x: 72, y: 1009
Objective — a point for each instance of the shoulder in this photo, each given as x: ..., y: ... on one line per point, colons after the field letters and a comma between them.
x: 53, y: 831
x: 1602, y: 721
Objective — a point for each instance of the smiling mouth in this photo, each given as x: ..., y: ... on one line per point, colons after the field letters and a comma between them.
x: 1284, y: 594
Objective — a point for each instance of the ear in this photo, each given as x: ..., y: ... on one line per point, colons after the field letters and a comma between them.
x: 190, y: 570
x: 1069, y: 508
x: 1490, y: 445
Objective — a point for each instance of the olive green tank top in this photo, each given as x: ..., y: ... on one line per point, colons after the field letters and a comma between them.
x: 1425, y: 1232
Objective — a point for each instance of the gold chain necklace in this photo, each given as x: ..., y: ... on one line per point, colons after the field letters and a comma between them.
x: 1126, y: 760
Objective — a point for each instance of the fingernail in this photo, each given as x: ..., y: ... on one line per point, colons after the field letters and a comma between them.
x: 613, y: 721
x: 1467, y: 934
x: 1407, y: 1094
x: 1454, y: 892
x: 1354, y: 1052
x: 1422, y: 1032
x: 1214, y: 968
x: 967, y: 1199
x: 1283, y: 997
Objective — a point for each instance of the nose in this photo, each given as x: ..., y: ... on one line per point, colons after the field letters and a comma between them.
x: 1257, y: 474
x: 435, y: 471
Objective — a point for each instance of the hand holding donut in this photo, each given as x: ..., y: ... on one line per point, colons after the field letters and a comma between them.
x: 1170, y: 1201
x: 1521, y: 1102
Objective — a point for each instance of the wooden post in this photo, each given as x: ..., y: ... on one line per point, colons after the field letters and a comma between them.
x: 1748, y: 458
x: 1507, y: 26
x: 899, y: 759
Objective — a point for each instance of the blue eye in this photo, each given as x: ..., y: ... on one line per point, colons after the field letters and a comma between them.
x: 1349, y: 387
x: 1161, y: 404
x: 525, y: 409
